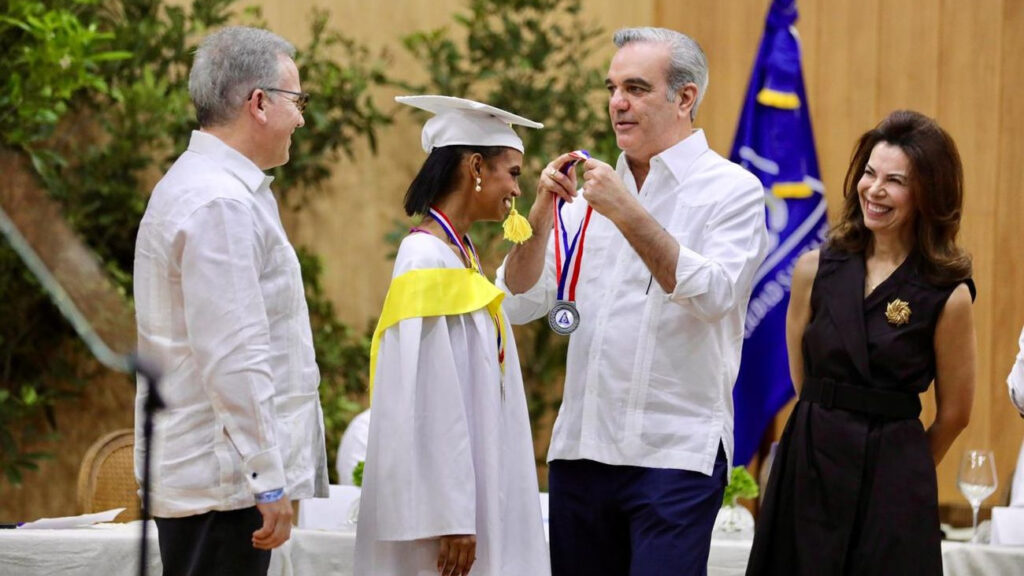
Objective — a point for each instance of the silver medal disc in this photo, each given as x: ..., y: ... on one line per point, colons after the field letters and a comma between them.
x: 564, y: 318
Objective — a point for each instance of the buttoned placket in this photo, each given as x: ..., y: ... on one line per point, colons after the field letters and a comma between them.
x: 644, y: 353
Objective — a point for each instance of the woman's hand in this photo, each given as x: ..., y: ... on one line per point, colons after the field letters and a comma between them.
x: 553, y: 185
x: 525, y: 262
x: 458, y: 552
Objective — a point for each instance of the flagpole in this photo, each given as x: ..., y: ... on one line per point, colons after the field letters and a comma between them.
x: 775, y: 142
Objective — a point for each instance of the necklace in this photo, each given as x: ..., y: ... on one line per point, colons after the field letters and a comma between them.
x: 873, y: 281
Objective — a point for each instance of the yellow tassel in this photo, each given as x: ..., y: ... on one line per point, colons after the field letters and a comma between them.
x: 517, y: 228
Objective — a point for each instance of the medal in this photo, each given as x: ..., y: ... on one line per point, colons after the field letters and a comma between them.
x: 564, y: 317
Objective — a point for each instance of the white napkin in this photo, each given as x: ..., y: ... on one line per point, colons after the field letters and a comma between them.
x: 71, y: 521
x: 1008, y: 526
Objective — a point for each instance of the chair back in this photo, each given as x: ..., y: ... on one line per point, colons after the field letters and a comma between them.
x: 107, y: 477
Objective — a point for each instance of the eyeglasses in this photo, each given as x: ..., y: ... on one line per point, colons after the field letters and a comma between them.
x: 301, y: 98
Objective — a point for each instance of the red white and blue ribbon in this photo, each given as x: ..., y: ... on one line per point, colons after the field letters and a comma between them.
x: 468, y: 250
x: 569, y: 255
x: 468, y: 253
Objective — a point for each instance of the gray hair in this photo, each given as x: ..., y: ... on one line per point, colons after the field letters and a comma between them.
x: 229, y: 65
x: 687, y: 62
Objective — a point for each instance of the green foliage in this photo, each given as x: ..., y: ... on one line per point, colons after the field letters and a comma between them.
x: 528, y: 57
x: 342, y: 355
x: 49, y: 56
x: 741, y: 485
x: 357, y: 473
x: 37, y: 368
x: 96, y: 93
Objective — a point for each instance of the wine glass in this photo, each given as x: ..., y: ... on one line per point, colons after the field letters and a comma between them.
x: 977, y: 480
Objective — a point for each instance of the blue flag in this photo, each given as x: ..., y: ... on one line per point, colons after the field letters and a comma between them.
x: 774, y: 141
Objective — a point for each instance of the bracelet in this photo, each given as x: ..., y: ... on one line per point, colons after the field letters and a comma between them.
x: 269, y: 496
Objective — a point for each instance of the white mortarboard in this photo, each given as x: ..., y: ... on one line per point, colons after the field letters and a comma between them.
x: 458, y: 121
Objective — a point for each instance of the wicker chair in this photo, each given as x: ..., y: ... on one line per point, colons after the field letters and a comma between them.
x: 107, y: 477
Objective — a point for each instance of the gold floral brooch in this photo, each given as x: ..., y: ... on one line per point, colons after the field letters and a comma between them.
x: 897, y: 312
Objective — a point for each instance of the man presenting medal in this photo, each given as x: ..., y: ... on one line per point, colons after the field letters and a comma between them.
x: 657, y: 257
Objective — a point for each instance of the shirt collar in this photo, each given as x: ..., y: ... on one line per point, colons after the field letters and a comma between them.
x: 677, y: 159
x: 206, y: 144
x: 683, y: 154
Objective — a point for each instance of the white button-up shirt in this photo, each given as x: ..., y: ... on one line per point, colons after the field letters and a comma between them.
x: 649, y: 375
x: 221, y: 308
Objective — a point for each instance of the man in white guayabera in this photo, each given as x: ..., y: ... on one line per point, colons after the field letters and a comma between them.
x: 221, y: 308
x: 659, y: 257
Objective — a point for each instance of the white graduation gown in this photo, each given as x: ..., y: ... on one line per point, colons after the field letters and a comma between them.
x: 446, y: 454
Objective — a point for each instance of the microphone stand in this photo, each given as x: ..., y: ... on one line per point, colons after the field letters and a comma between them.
x: 153, y: 404
x: 127, y: 364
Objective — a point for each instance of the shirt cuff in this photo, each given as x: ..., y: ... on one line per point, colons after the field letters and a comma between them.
x: 525, y: 306
x: 692, y: 274
x: 264, y: 471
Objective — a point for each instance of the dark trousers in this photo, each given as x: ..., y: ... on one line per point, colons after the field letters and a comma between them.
x: 626, y: 520
x: 214, y: 544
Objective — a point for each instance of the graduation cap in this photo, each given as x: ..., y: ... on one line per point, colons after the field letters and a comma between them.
x: 458, y: 121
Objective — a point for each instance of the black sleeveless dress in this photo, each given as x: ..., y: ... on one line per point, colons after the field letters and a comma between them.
x: 853, y: 492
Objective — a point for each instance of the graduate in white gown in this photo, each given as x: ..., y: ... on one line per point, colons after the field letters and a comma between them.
x: 450, y: 483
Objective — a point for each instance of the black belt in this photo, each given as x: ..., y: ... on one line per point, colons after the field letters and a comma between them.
x: 886, y: 403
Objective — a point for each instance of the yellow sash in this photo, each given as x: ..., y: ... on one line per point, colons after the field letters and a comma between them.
x: 435, y: 292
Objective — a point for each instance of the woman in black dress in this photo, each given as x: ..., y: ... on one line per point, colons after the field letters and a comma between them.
x: 882, y: 311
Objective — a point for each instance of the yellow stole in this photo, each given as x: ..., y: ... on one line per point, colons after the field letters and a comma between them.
x: 436, y: 292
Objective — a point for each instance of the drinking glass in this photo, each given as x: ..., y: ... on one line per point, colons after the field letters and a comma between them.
x: 977, y: 480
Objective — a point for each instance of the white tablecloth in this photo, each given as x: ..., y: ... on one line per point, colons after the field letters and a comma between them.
x: 729, y: 558
x: 112, y: 550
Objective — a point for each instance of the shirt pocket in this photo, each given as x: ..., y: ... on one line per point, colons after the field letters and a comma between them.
x: 674, y: 415
x: 281, y: 283
x: 187, y: 450
x: 689, y: 224
x: 296, y: 423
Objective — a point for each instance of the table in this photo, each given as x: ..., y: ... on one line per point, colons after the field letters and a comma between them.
x: 112, y: 550
x: 729, y: 558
